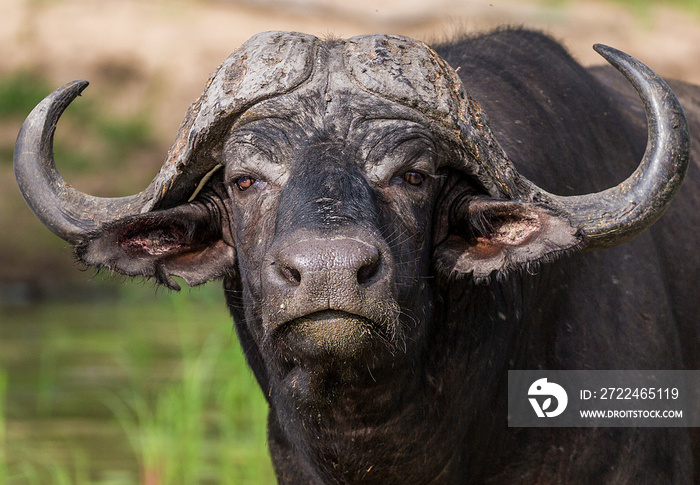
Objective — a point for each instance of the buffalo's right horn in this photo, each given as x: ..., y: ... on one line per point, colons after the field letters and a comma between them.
x: 63, y: 209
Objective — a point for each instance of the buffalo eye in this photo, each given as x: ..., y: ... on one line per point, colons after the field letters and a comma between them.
x: 413, y: 178
x: 244, y: 183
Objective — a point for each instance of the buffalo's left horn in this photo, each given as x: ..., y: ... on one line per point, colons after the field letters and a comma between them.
x: 66, y: 211
x: 621, y: 212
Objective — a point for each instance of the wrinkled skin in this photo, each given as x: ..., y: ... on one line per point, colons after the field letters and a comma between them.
x: 348, y: 249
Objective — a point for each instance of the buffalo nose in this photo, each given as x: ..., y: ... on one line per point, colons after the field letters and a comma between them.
x: 344, y: 261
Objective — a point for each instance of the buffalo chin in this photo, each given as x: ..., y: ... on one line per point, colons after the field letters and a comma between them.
x: 330, y: 354
x: 325, y: 355
x: 329, y: 336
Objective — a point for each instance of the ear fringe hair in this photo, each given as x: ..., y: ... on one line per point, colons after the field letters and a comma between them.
x: 110, y: 274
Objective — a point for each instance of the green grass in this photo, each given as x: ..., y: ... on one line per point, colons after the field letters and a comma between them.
x: 642, y: 8
x: 689, y: 4
x: 3, y: 427
x: 20, y: 92
x: 89, y: 139
x: 137, y: 390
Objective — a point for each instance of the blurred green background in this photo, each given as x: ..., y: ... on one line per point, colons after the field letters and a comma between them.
x: 105, y: 380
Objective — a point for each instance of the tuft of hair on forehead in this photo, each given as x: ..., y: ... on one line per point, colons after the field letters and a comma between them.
x: 331, y: 37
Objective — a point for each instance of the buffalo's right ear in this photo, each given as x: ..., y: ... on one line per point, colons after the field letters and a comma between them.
x: 191, y: 241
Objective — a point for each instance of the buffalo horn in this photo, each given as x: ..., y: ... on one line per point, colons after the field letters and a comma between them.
x: 619, y: 213
x: 63, y: 209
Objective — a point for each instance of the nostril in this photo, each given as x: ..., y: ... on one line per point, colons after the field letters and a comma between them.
x: 367, y: 272
x: 291, y: 274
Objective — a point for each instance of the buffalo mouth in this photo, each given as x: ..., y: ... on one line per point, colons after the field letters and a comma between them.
x: 330, y: 334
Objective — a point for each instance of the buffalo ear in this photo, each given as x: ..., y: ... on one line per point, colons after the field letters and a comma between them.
x: 490, y: 235
x: 185, y: 241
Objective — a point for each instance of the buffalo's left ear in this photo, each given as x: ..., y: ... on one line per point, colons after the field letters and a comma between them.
x: 191, y: 241
x: 491, y: 235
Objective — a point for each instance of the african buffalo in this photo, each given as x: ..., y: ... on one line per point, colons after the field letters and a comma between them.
x: 386, y: 264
